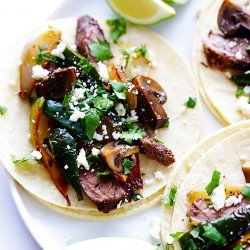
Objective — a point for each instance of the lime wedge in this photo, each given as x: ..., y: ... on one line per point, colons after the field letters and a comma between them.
x: 142, y: 12
x: 175, y: 1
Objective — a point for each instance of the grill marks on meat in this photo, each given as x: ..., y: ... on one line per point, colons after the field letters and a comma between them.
x: 233, y: 20
x: 87, y: 31
x: 156, y: 151
x: 201, y: 212
x: 222, y: 55
x: 106, y: 192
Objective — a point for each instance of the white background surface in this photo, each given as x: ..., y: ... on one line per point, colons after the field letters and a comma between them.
x: 16, y: 18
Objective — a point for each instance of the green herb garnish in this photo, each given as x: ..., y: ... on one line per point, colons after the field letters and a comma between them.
x: 43, y: 54
x: 3, y: 110
x: 213, y: 234
x: 214, y: 182
x: 134, y: 133
x: 195, y: 232
x: 166, y: 124
x: 177, y: 235
x: 120, y: 89
x: 117, y: 28
x: 134, y: 50
x: 17, y: 162
x: 92, y: 121
x: 86, y: 66
x: 239, y: 247
x: 127, y: 164
x: 191, y: 103
x: 248, y: 48
x: 159, y: 140
x: 170, y: 199
x: 240, y: 91
x: 103, y: 173
x: 100, y: 50
x: 103, y: 104
x: 137, y: 197
x: 246, y: 191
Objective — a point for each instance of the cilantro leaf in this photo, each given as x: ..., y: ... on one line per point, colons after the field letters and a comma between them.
x: 103, y: 173
x: 195, y: 232
x: 120, y: 89
x: 239, y: 247
x: 213, y: 234
x: 134, y: 133
x: 117, y: 28
x: 137, y: 197
x: 103, y: 104
x: 100, y: 50
x: 240, y: 91
x: 177, y: 234
x: 3, y: 110
x: 159, y: 140
x: 246, y: 191
x: 165, y: 124
x: 127, y: 164
x: 43, y: 54
x: 85, y: 65
x: 17, y: 162
x: 214, y: 182
x: 191, y: 103
x: 242, y: 79
x: 92, y: 121
x: 170, y: 199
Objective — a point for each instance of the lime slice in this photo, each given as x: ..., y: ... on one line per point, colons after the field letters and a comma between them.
x: 143, y: 12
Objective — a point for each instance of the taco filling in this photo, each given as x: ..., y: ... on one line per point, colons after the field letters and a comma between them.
x: 89, y: 120
x: 228, y: 50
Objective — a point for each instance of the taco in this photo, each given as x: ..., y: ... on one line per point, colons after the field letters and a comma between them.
x: 112, y: 243
x: 222, y: 59
x: 94, y: 128
x: 210, y: 208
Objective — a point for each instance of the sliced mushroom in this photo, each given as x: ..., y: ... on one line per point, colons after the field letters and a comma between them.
x: 114, y: 154
x: 116, y: 73
x: 149, y: 108
x: 233, y: 19
x: 57, y: 85
x: 246, y: 171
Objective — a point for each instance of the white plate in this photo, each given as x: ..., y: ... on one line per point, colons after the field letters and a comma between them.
x: 55, y: 231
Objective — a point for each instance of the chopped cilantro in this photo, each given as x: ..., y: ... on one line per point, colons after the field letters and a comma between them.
x: 117, y: 28
x: 67, y: 98
x: 91, y: 159
x: 177, y: 235
x: 242, y: 79
x: 43, y: 54
x: 170, y: 199
x: 92, y: 121
x: 239, y: 247
x: 137, y: 197
x: 86, y: 66
x: 103, y: 173
x: 195, y: 232
x: 127, y: 164
x: 134, y: 133
x: 191, y: 103
x: 213, y: 234
x: 17, y: 162
x: 240, y: 91
x: 120, y: 89
x: 3, y: 110
x: 165, y: 124
x: 214, y: 182
x: 246, y: 191
x: 103, y: 104
x: 100, y: 50
x: 159, y: 140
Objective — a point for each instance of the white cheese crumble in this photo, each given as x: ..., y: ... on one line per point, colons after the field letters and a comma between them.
x: 218, y: 197
x: 82, y: 160
x: 155, y: 228
x: 73, y: 47
x: 38, y: 72
x: 243, y: 106
x: 158, y: 175
x: 116, y: 135
x: 103, y: 71
x: 66, y: 167
x: 98, y: 137
x: 233, y: 200
x: 58, y: 51
x: 95, y: 151
x: 150, y: 57
x: 121, y: 111
x: 169, y: 239
x: 239, y: 55
x: 232, y: 44
x: 77, y: 115
x: 148, y: 181
x: 36, y: 154
x: 78, y: 94
x: 133, y: 116
x: 247, y: 90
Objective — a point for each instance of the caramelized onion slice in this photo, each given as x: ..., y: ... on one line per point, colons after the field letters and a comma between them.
x: 114, y: 154
x: 50, y: 39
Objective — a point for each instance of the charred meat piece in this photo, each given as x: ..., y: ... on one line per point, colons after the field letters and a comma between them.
x: 201, y: 212
x: 156, y: 151
x: 57, y: 85
x: 149, y: 107
x: 233, y: 20
x: 106, y: 192
x: 223, y: 53
x: 87, y: 31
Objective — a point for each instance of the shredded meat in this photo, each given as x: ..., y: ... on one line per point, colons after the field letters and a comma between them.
x: 156, y: 151
x: 223, y: 53
x: 201, y: 212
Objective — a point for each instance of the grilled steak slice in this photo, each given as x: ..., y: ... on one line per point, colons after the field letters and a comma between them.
x: 87, y: 31
x: 57, y: 85
x: 233, y: 19
x: 223, y: 53
x: 105, y: 191
x: 156, y: 151
x: 201, y: 212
